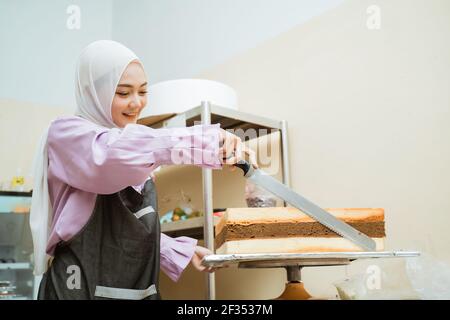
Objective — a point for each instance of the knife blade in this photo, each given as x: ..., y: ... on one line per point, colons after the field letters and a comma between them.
x: 272, y: 185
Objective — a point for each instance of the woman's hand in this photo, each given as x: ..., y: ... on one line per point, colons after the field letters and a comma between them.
x: 200, y: 252
x: 232, y: 149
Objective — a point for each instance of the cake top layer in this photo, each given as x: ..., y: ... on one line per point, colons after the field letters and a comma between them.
x: 244, y: 216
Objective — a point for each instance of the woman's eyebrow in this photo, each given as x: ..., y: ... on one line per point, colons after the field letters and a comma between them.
x: 129, y: 85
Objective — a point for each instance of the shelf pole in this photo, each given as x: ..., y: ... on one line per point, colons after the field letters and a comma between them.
x: 208, y: 226
x: 285, y: 154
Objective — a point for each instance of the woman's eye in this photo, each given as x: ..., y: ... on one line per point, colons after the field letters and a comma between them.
x: 143, y: 92
x: 123, y: 94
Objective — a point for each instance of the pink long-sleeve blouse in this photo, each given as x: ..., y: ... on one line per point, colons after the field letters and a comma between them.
x: 86, y: 159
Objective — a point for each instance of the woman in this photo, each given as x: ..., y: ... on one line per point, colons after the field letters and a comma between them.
x: 94, y: 218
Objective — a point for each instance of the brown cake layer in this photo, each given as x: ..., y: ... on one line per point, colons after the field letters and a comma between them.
x: 234, y: 231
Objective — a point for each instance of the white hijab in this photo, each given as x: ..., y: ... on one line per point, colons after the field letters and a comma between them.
x: 99, y: 69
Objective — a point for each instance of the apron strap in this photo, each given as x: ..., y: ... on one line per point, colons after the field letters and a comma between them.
x: 144, y: 211
x: 124, y: 294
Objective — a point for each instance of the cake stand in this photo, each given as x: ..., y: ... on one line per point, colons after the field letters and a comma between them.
x: 294, y: 262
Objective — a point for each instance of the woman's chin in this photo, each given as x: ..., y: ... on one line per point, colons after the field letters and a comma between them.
x: 124, y: 121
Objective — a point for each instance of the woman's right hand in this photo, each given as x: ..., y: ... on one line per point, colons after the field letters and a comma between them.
x: 232, y: 149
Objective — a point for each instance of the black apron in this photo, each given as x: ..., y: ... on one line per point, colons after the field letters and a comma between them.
x: 115, y: 256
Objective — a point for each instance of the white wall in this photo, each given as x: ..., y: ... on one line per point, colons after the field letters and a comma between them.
x: 38, y: 52
x: 174, y: 38
x: 21, y: 126
x: 368, y: 114
x: 179, y: 39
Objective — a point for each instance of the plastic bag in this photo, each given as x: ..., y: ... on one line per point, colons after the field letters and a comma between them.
x: 422, y: 277
x: 429, y: 277
x: 382, y: 279
x: 258, y: 197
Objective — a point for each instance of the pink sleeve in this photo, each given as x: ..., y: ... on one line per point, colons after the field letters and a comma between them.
x: 176, y: 253
x: 104, y: 161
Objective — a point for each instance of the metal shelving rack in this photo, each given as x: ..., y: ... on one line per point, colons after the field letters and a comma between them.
x: 16, y: 268
x: 207, y: 113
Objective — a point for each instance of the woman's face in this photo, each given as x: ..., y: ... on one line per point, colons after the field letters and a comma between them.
x: 131, y: 95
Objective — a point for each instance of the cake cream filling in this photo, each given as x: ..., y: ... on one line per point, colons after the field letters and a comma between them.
x: 293, y: 245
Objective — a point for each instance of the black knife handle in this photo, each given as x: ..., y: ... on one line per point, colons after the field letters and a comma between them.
x: 244, y: 165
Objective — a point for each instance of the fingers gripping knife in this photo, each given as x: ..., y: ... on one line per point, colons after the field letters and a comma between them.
x: 272, y: 185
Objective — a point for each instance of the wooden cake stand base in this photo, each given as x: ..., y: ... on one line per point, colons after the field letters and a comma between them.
x: 294, y: 291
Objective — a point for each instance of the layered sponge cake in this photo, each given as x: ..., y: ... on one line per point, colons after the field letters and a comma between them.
x: 289, y: 230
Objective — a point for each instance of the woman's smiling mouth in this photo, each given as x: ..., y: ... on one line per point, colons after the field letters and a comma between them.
x: 130, y: 115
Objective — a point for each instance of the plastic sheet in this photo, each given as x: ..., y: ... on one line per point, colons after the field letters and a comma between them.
x: 429, y: 277
x: 423, y: 277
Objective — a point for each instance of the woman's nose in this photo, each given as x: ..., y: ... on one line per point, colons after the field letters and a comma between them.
x: 136, y: 102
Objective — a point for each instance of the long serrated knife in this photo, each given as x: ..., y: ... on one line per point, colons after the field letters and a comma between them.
x: 272, y: 185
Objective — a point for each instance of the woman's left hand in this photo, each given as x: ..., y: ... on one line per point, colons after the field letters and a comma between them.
x: 200, y: 252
